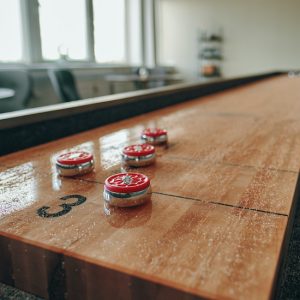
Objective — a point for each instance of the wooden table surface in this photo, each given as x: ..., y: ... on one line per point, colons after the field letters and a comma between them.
x: 223, y: 192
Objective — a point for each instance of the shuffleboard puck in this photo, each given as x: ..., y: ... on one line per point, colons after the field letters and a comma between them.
x: 138, y: 155
x: 155, y: 136
x: 75, y: 163
x: 127, y: 189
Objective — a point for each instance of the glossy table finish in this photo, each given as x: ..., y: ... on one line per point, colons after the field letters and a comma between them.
x: 223, y: 193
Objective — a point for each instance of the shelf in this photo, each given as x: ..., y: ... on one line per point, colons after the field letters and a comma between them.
x: 210, y: 54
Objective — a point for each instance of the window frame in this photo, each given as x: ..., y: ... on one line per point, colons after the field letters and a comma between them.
x: 32, y: 47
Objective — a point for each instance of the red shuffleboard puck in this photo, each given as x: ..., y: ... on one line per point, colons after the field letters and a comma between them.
x: 75, y: 163
x: 127, y: 189
x: 155, y: 136
x: 138, y: 155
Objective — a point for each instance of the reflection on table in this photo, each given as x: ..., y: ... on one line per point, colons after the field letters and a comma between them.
x: 141, y: 82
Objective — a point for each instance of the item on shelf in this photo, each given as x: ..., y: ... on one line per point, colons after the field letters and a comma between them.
x: 210, y: 53
x: 210, y: 71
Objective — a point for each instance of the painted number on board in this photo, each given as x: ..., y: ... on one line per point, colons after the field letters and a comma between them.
x: 65, y: 207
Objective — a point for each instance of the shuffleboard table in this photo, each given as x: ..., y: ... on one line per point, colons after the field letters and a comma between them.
x: 223, y: 196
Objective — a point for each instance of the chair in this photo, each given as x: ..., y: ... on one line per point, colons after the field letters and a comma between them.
x: 64, y: 85
x: 21, y: 83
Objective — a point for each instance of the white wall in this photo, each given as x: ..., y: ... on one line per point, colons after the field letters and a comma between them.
x: 259, y: 35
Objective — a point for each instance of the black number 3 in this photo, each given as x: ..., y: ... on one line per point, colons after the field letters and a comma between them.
x: 66, y: 207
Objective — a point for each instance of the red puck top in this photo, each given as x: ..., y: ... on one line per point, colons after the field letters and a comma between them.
x: 127, y: 182
x: 139, y: 150
x: 74, y: 158
x: 154, y: 132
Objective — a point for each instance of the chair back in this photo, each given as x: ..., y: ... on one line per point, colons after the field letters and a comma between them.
x: 19, y: 81
x: 64, y: 85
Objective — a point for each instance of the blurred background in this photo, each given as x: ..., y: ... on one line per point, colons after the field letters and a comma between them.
x: 54, y: 51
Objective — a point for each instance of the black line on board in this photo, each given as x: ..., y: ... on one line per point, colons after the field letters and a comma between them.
x: 258, y: 167
x: 199, y: 200
x: 253, y: 209
x: 231, y: 164
x: 224, y: 204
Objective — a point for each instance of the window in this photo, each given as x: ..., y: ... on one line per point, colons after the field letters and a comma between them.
x: 10, y: 31
x: 109, y: 30
x: 63, y: 27
x: 104, y: 31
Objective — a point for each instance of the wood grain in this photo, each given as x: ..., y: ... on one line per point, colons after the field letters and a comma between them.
x: 274, y: 98
x: 216, y: 128
x: 196, y: 247
x: 223, y: 191
x: 256, y: 188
